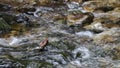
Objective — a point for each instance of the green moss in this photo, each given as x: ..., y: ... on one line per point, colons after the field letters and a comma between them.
x: 57, y: 45
x: 4, y: 24
x: 57, y: 34
x: 70, y: 45
x: 8, y: 18
x: 66, y: 54
x: 36, y: 64
x: 75, y: 12
x: 63, y: 45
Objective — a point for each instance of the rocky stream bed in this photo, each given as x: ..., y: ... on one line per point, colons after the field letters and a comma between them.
x: 80, y: 33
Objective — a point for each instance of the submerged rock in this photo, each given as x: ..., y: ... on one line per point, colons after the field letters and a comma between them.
x: 71, y: 65
x: 38, y: 64
x: 111, y: 50
x: 17, y: 55
x: 109, y: 36
x: 103, y: 62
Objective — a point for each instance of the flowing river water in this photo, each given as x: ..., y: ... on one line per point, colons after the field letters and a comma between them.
x: 68, y: 47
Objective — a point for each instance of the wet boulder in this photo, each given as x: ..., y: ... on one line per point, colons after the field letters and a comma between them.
x: 38, y: 64
x: 25, y: 9
x: 4, y: 7
x: 103, y: 5
x: 19, y: 2
x: 22, y: 18
x: 12, y: 24
x: 96, y: 27
x: 78, y: 1
x: 77, y: 17
x: 105, y: 21
x: 12, y: 18
x: 54, y: 17
x: 7, y: 20
x: 50, y: 2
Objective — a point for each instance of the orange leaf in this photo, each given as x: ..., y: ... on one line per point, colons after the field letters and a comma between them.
x: 43, y: 43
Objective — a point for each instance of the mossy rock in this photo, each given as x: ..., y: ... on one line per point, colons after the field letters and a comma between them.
x: 75, y: 12
x: 4, y: 25
x: 9, y: 18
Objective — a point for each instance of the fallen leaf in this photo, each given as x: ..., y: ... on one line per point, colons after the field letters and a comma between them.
x: 43, y: 43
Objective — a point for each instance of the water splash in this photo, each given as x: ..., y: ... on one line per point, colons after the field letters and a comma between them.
x: 85, y: 53
x: 85, y: 33
x: 73, y: 5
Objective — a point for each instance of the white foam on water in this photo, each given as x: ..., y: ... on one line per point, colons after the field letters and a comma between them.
x: 85, y: 33
x: 58, y: 58
x: 15, y: 41
x: 4, y: 42
x: 73, y: 5
x: 42, y: 9
x: 84, y: 52
x: 76, y: 62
